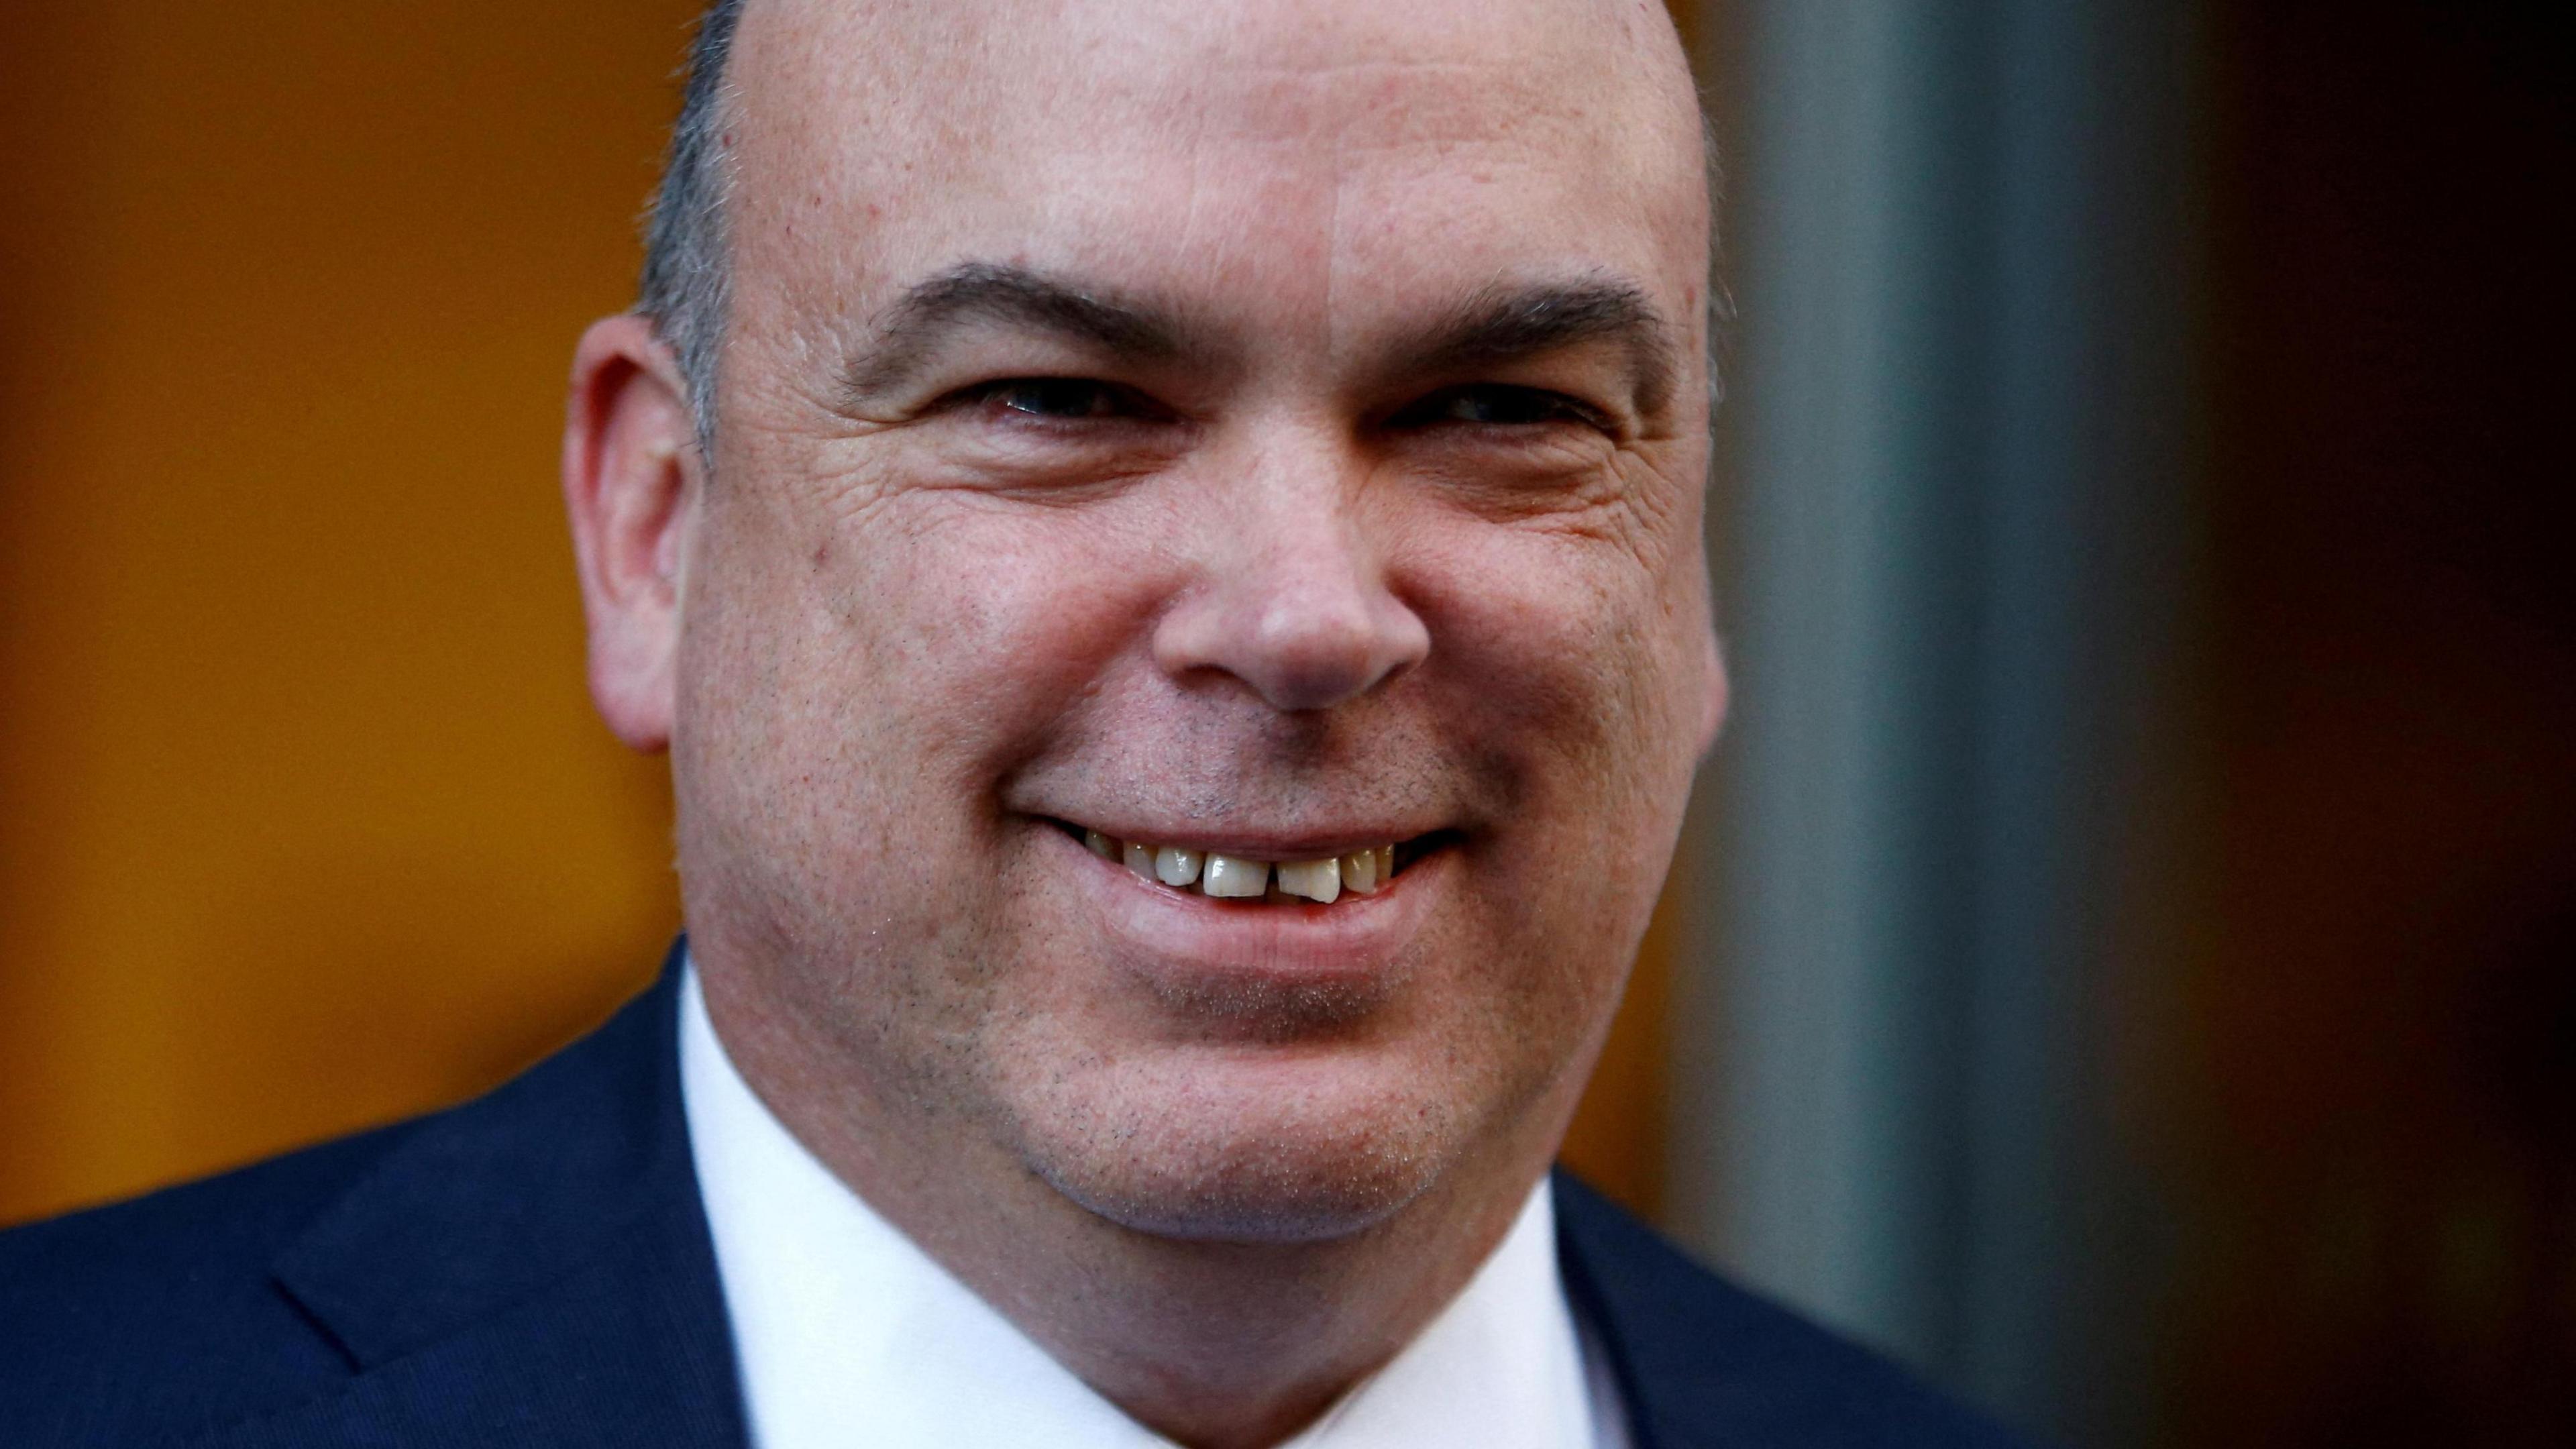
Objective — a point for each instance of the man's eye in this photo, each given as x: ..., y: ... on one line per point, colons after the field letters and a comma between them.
x: 1063, y: 398
x: 1492, y: 405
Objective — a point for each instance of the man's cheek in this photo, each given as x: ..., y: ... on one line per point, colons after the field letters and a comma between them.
x: 1565, y: 623
x: 994, y: 596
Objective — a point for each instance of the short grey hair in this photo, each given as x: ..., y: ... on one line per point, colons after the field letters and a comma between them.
x: 687, y: 283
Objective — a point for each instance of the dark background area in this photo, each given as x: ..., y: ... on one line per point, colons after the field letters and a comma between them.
x: 2380, y: 1087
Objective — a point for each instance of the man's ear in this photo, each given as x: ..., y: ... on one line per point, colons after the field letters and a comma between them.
x: 631, y: 476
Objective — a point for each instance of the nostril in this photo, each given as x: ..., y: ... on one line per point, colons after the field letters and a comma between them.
x: 1314, y: 681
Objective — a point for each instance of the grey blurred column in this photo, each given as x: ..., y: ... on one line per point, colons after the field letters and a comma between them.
x: 1950, y: 481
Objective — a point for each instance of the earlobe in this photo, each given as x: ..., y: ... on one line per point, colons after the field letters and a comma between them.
x: 630, y: 478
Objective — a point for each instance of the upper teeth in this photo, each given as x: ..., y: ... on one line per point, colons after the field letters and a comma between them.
x: 1218, y: 874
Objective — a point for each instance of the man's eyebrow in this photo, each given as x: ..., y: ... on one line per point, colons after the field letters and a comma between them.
x: 1506, y: 323
x: 911, y: 329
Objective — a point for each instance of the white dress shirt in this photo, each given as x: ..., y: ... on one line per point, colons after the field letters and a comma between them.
x: 847, y: 1335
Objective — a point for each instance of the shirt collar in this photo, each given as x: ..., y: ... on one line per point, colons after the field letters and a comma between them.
x: 846, y: 1332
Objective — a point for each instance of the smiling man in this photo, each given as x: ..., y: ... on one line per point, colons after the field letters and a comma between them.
x: 1163, y: 542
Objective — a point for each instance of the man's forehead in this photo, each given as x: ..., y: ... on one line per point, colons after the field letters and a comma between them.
x: 1300, y: 138
x: 914, y: 83
x: 862, y: 44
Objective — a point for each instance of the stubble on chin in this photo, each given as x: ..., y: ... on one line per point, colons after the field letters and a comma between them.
x: 1208, y: 1178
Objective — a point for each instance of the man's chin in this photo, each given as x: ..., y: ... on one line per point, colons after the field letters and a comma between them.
x: 1318, y: 1166
x: 1240, y: 1211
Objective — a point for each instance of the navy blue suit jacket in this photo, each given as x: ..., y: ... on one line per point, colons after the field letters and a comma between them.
x: 533, y: 1268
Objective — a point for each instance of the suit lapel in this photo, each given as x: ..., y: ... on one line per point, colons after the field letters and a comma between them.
x: 532, y: 1268
x: 1705, y: 1365
x: 1682, y: 1371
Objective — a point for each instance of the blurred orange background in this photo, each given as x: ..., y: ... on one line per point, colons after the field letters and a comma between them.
x: 307, y: 822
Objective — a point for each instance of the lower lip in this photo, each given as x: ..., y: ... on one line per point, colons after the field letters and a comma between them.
x: 1187, y: 941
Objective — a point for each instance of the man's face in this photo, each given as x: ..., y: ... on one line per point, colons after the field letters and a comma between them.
x: 1269, y: 430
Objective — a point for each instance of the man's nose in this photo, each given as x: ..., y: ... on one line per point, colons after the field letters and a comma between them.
x: 1292, y: 597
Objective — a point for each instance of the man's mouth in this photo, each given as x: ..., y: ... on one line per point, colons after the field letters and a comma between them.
x: 1199, y: 871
